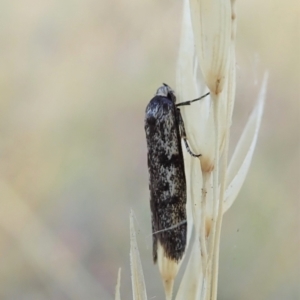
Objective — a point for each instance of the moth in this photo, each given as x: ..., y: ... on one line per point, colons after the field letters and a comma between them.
x: 164, y: 129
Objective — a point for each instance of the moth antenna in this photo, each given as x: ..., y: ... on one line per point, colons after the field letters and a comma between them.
x: 190, y: 101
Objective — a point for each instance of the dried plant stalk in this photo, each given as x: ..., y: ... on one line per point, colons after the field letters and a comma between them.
x: 207, y: 58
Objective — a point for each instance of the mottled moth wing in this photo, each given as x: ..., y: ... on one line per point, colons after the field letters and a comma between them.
x: 167, y: 182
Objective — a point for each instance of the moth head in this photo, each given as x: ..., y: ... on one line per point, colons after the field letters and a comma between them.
x: 166, y: 91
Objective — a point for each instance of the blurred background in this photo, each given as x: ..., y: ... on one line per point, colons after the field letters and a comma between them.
x: 75, y: 78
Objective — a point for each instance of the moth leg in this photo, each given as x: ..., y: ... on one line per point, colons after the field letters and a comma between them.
x: 189, y: 150
x: 183, y: 134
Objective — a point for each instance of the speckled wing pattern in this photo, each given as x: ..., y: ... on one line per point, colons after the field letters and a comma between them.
x: 167, y: 182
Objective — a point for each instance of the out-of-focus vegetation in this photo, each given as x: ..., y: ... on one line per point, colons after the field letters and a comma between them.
x: 75, y: 78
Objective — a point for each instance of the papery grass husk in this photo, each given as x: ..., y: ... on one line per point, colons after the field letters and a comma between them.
x: 212, y: 186
x: 137, y: 276
x: 118, y: 286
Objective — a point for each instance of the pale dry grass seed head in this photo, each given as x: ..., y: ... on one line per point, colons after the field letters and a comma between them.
x: 206, y: 58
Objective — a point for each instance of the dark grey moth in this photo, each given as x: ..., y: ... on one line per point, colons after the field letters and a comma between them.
x: 167, y: 184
